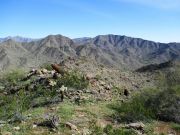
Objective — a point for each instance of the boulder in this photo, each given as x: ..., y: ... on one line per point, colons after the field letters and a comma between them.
x: 71, y: 126
x: 102, y: 83
x: 89, y: 76
x: 58, y: 69
x: 50, y: 122
x: 16, y: 128
x: 44, y: 71
x: 137, y: 126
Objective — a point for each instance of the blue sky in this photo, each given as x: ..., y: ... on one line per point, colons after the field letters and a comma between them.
x: 157, y: 20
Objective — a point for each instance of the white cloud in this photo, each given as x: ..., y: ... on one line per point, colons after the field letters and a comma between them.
x: 165, y: 4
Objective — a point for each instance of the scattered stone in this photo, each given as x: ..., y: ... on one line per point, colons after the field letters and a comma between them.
x: 171, y: 133
x: 52, y: 83
x: 85, y: 132
x: 16, y: 128
x: 6, y: 133
x: 71, y: 126
x: 5, y: 93
x: 2, y: 87
x: 2, y: 122
x: 38, y: 72
x: 107, y: 87
x: 102, y: 83
x: 89, y: 76
x: 50, y: 122
x: 34, y: 126
x: 137, y: 126
x: 44, y: 71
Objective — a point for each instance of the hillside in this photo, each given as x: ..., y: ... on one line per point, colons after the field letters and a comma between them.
x: 110, y: 50
x: 96, y: 100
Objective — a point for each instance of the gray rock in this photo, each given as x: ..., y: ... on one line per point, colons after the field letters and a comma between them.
x: 52, y: 122
x: 137, y: 125
x: 71, y: 126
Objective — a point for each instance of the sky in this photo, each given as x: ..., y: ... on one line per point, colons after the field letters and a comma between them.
x: 157, y: 20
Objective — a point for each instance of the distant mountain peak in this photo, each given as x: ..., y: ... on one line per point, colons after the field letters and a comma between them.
x: 17, y: 39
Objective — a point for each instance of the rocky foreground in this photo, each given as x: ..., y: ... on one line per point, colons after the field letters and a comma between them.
x: 79, y: 96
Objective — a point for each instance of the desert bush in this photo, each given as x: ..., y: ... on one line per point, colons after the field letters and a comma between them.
x: 175, y: 126
x: 66, y: 111
x: 12, y: 77
x: 13, y: 104
x: 73, y: 79
x: 159, y: 103
x: 148, y: 105
x: 95, y: 129
x: 23, y: 99
x: 46, y: 66
x: 135, y: 109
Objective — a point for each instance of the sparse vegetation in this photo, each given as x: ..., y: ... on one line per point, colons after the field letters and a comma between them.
x: 175, y: 126
x: 136, y: 109
x: 109, y: 130
x: 73, y: 79
x: 66, y: 111
x: 160, y: 103
x: 30, y: 100
x: 46, y: 66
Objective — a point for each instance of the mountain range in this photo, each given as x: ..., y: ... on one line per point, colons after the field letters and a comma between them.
x: 110, y: 50
x: 17, y: 39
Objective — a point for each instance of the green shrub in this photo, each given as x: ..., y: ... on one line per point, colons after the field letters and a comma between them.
x: 95, y: 129
x: 175, y: 126
x: 16, y: 103
x: 73, y: 79
x: 46, y: 66
x: 148, y: 105
x: 135, y: 109
x: 66, y: 111
x: 12, y: 77
x: 109, y: 130
x: 159, y: 103
x: 23, y: 100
